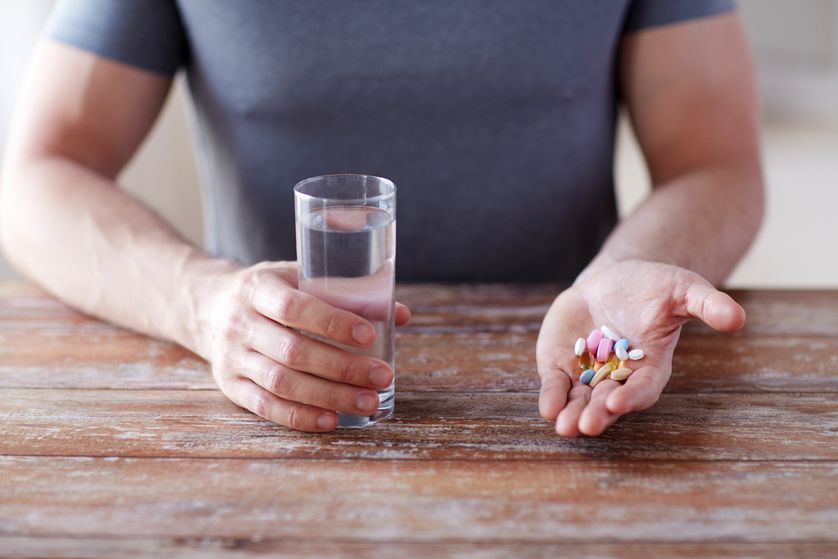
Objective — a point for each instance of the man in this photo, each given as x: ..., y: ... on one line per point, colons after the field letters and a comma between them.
x: 496, y: 120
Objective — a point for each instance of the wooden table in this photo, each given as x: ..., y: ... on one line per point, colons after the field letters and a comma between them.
x: 114, y: 445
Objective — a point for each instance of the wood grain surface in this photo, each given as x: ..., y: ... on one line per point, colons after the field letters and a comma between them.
x: 205, y: 548
x: 384, y: 500
x: 115, y: 445
x: 464, y: 426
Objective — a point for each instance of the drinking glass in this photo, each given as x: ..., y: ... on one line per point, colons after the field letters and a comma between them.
x: 346, y: 251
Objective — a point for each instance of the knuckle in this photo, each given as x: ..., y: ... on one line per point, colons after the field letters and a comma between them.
x: 548, y: 385
x: 346, y: 370
x: 290, y: 352
x: 223, y: 368
x: 276, y: 379
x: 330, y: 326
x: 232, y: 326
x: 247, y: 280
x: 288, y: 306
x: 259, y: 405
x: 296, y: 419
x: 333, y: 400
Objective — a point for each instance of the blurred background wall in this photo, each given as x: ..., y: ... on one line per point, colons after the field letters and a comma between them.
x: 795, y: 47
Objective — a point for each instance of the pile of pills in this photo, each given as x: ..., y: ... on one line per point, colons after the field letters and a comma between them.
x: 604, y: 354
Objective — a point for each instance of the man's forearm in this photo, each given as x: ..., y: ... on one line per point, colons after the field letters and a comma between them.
x: 99, y: 249
x: 703, y: 221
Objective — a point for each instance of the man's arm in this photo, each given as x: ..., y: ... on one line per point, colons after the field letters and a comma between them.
x: 689, y: 89
x: 67, y: 225
x: 690, y: 93
x: 64, y: 221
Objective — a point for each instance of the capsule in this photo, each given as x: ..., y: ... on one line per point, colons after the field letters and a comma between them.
x: 623, y: 343
x: 636, y: 354
x: 600, y: 374
x: 579, y: 347
x: 621, y: 374
x: 609, y: 333
x: 604, y: 349
x: 586, y: 377
x: 592, y: 341
x: 621, y: 352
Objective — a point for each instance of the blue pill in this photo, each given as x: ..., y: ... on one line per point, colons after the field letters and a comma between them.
x: 623, y: 343
x: 587, y: 376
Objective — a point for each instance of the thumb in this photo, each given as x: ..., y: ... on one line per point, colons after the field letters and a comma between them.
x: 716, y: 309
x: 555, y: 384
x: 403, y: 314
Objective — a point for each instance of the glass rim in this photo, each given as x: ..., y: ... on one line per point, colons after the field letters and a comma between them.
x: 387, y: 182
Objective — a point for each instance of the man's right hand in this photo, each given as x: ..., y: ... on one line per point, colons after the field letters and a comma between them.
x: 262, y: 363
x: 69, y: 227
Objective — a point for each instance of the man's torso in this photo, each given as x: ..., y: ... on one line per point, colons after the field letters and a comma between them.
x: 494, y: 118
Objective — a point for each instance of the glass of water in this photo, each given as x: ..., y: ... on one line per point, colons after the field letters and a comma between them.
x: 346, y: 251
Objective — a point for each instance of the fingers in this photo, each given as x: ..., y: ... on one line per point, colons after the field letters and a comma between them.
x: 715, y: 308
x: 275, y: 299
x: 295, y: 386
x: 640, y: 391
x: 722, y: 313
x: 289, y: 271
x: 403, y: 314
x: 555, y: 382
x: 297, y: 416
x: 591, y: 412
x: 264, y: 364
x: 553, y: 396
x: 567, y: 422
x: 596, y: 416
x: 302, y: 353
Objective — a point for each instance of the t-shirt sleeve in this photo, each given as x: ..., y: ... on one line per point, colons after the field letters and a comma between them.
x: 148, y: 34
x: 650, y: 13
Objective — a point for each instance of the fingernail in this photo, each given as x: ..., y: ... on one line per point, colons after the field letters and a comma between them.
x: 326, y: 421
x: 366, y: 401
x: 362, y: 333
x: 380, y: 376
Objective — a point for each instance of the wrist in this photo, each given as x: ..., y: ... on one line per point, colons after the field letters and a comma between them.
x: 203, y: 279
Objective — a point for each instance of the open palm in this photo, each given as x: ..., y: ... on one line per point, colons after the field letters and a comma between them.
x: 645, y: 302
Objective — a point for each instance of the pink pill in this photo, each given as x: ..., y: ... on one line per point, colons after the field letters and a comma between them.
x: 592, y: 343
x: 603, y: 350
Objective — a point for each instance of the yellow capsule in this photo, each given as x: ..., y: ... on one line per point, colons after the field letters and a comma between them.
x: 621, y: 374
x: 585, y: 361
x: 613, y: 362
x: 622, y: 364
x: 601, y: 373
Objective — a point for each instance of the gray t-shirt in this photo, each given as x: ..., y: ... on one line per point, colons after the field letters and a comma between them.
x: 495, y: 118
